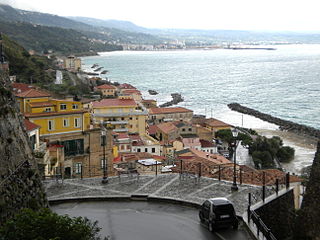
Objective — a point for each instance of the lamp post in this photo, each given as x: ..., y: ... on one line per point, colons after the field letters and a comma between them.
x: 104, y: 142
x: 234, y: 186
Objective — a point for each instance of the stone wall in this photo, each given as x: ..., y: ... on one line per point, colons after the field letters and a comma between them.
x: 307, y: 224
x: 279, y: 215
x: 20, y: 184
x: 283, y: 124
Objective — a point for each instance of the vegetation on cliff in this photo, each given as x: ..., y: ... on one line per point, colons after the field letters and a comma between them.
x: 45, y: 224
x: 264, y: 150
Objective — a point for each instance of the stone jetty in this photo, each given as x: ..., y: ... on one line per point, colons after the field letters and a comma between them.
x: 283, y: 124
x: 176, y: 98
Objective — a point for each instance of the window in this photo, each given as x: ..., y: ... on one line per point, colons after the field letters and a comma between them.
x: 50, y: 125
x: 63, y: 106
x: 75, y: 106
x: 121, y: 147
x: 78, y: 168
x: 146, y: 150
x: 48, y: 110
x: 73, y: 147
x: 130, y: 118
x: 190, y: 129
x: 138, y: 150
x: 66, y: 122
x: 183, y: 129
x: 77, y: 122
x: 153, y: 150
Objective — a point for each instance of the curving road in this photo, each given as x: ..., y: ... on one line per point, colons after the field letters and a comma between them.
x: 141, y: 220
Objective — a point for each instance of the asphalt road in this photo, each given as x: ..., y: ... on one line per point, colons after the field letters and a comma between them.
x: 141, y: 220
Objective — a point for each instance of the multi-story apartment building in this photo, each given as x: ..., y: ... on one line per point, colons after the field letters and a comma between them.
x: 122, y: 114
x: 159, y: 115
x: 72, y: 63
x: 107, y: 90
x: 75, y: 147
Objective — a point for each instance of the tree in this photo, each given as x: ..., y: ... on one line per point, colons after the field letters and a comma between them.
x: 285, y: 154
x: 225, y: 135
x: 45, y: 224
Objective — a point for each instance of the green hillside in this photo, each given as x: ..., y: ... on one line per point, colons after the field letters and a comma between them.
x: 42, y: 38
x: 27, y: 68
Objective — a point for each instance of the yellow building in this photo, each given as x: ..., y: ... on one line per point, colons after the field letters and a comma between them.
x: 72, y: 63
x: 123, y: 114
x: 31, y: 96
x: 107, y: 90
x: 57, y: 116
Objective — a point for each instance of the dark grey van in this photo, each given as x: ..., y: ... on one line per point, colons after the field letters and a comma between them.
x: 218, y: 213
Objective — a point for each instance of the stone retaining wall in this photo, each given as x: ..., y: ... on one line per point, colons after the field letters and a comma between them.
x: 283, y: 124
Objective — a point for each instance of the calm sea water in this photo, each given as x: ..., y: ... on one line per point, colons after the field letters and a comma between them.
x: 284, y: 83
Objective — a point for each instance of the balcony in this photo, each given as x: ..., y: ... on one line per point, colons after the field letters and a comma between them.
x: 123, y: 114
x: 116, y: 122
x: 120, y: 130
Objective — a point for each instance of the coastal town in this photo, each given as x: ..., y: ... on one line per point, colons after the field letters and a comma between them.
x: 116, y: 131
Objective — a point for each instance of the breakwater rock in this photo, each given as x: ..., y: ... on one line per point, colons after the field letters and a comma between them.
x: 152, y: 92
x: 176, y: 98
x: 283, y: 124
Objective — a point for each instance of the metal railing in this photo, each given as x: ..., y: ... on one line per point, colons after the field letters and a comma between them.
x: 260, y: 225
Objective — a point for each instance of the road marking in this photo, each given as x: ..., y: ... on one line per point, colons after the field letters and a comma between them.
x: 220, y: 236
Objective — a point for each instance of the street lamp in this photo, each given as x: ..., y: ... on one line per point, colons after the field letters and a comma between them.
x: 104, y: 143
x: 234, y: 186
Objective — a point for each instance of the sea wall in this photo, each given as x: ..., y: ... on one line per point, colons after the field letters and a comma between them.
x: 20, y: 183
x: 283, y: 124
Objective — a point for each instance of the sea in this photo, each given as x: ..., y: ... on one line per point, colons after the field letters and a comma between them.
x: 284, y: 82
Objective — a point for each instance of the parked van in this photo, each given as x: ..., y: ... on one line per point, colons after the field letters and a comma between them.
x: 218, y: 213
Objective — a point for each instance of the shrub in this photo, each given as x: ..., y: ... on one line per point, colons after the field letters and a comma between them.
x: 45, y: 225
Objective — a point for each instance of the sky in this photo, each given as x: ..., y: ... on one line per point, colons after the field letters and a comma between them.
x: 278, y: 15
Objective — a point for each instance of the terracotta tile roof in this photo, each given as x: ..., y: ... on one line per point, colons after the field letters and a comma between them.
x: 33, y: 93
x: 206, y: 144
x: 45, y: 114
x: 21, y: 87
x: 30, y: 125
x: 126, y: 86
x: 106, y: 86
x: 114, y: 103
x: 122, y: 136
x: 212, y: 122
x: 152, y: 129
x: 167, y: 127
x: 169, y: 110
x: 131, y: 91
x: 41, y: 104
x: 148, y: 101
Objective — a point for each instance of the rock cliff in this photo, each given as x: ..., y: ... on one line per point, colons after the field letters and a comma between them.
x: 20, y: 183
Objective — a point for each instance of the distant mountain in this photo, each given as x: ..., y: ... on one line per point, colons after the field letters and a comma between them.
x: 10, y: 14
x: 61, y: 41
x: 118, y: 24
x: 109, y: 35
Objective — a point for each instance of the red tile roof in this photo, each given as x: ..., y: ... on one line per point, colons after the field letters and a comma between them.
x: 33, y: 93
x: 167, y: 127
x: 131, y: 91
x: 126, y: 86
x: 21, y: 87
x: 206, y: 144
x: 212, y: 122
x: 106, y: 86
x: 114, y: 103
x: 152, y: 129
x: 169, y: 110
x: 30, y: 125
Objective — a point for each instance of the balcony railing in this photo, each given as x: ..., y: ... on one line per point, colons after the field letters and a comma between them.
x: 120, y: 130
x: 123, y: 114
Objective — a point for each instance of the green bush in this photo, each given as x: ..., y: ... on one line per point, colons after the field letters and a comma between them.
x: 47, y: 225
x: 285, y: 154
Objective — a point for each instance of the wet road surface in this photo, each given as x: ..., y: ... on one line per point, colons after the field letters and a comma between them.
x: 141, y: 220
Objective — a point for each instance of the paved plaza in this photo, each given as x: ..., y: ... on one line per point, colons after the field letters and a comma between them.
x: 171, y: 186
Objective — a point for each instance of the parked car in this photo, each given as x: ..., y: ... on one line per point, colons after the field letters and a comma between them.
x: 218, y: 213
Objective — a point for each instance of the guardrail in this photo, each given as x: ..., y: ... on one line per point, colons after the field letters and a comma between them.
x: 260, y: 225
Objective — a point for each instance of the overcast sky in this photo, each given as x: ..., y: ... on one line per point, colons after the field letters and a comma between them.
x: 292, y: 15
